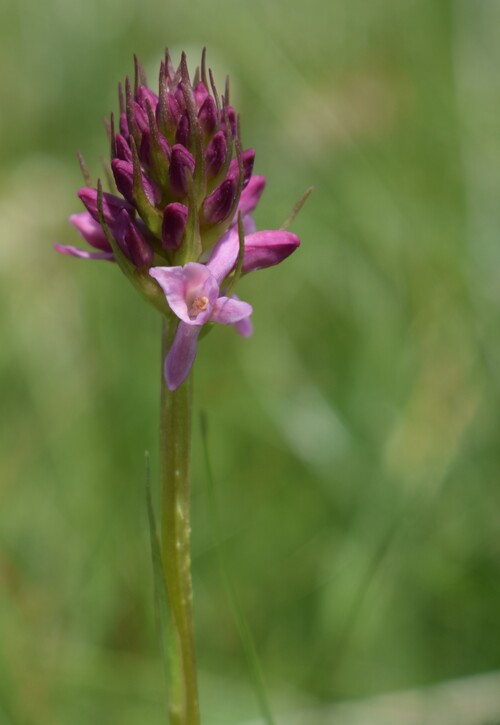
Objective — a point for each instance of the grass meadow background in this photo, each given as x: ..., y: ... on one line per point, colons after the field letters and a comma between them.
x: 354, y: 438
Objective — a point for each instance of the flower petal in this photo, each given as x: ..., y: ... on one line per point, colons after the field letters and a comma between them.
x: 224, y: 254
x: 244, y: 327
x: 228, y: 310
x: 90, y: 230
x: 250, y: 196
x: 82, y: 254
x: 181, y: 355
x: 267, y: 248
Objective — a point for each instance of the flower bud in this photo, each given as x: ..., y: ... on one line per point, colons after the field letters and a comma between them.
x: 215, y: 155
x: 145, y: 95
x: 267, y: 248
x: 124, y: 125
x: 182, y: 135
x: 181, y: 164
x: 200, y: 93
x: 208, y: 116
x: 174, y: 224
x: 232, y: 120
x: 122, y: 149
x: 123, y: 171
x: 247, y: 158
x: 155, y: 152
x: 167, y: 110
x: 111, y: 205
x: 140, y: 117
x: 132, y: 242
x: 217, y: 206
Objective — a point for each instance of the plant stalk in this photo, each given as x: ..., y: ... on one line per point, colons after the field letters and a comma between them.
x: 175, y: 474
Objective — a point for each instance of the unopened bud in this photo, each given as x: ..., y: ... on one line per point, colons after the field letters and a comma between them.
x: 132, y: 242
x: 215, y: 155
x: 217, y: 206
x: 181, y: 165
x: 174, y: 224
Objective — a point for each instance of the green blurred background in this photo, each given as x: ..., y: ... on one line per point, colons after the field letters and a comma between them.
x: 354, y: 437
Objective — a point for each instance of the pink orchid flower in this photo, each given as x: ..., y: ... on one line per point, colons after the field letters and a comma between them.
x: 193, y: 294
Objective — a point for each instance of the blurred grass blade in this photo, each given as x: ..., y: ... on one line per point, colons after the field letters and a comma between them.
x: 244, y: 631
x: 297, y: 207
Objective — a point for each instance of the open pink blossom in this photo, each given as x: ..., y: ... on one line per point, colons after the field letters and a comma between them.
x: 193, y: 294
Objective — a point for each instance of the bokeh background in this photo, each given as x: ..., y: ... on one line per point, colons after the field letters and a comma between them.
x: 354, y: 439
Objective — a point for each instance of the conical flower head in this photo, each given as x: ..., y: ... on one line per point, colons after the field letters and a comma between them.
x: 182, y: 218
x: 179, y: 145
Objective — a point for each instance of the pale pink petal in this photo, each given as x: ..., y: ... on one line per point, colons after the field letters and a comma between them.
x: 82, y: 254
x: 181, y: 355
x: 249, y: 225
x: 228, y: 310
x: 172, y: 280
x: 90, y: 230
x: 224, y: 254
x: 250, y: 196
x: 244, y: 327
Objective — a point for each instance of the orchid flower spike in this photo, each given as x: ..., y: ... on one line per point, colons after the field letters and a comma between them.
x: 183, y: 179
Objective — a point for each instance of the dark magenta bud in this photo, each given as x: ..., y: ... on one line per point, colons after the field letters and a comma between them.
x: 124, y: 125
x: 215, y: 155
x: 155, y: 145
x: 181, y: 164
x: 179, y: 97
x: 247, y: 158
x: 182, y: 135
x: 208, y: 115
x: 217, y: 206
x: 146, y: 95
x: 132, y: 242
x: 123, y: 171
x: 122, y: 149
x: 200, y: 93
x: 174, y: 224
x: 140, y: 116
x: 112, y: 205
x: 231, y: 115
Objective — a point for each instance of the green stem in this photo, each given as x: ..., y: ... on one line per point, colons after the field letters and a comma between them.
x: 175, y: 472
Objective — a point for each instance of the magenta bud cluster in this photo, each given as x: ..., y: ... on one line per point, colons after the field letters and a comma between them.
x: 171, y: 149
x: 179, y: 220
